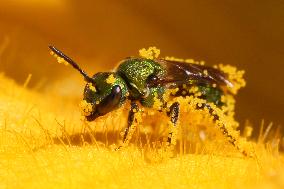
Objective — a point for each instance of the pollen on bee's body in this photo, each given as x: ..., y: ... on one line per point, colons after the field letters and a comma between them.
x: 174, y: 91
x: 86, y: 108
x: 193, y: 89
x: 157, y: 102
x: 171, y: 58
x: 189, y: 60
x: 205, y: 72
x: 111, y: 79
x: 235, y: 76
x: 91, y: 87
x: 197, y: 94
x: 53, y: 54
x: 62, y: 61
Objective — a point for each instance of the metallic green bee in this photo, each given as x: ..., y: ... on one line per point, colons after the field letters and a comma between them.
x: 143, y: 82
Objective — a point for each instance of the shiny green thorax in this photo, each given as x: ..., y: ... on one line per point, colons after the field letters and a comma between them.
x: 137, y: 71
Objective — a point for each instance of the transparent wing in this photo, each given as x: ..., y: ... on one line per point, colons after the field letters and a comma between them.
x: 184, y: 73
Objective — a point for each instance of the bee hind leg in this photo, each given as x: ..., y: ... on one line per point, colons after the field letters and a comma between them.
x: 133, y: 122
x: 225, y: 129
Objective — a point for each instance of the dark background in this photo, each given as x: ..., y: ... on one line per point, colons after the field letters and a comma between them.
x: 97, y: 34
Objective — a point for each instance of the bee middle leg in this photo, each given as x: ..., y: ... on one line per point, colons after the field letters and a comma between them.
x: 132, y: 124
x: 173, y: 126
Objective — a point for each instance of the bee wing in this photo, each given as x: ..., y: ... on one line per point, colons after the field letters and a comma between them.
x: 183, y: 73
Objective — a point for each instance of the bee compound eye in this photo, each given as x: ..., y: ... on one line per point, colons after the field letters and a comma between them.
x: 111, y: 101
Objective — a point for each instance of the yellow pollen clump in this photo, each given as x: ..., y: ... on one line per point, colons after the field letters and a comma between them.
x: 157, y: 103
x: 86, y: 108
x: 205, y: 72
x: 60, y: 60
x: 150, y: 53
x: 174, y: 91
x: 171, y: 58
x: 188, y: 60
x: 111, y: 79
x: 193, y: 89
x: 229, y: 100
x: 92, y: 87
x: 167, y: 95
x: 235, y: 76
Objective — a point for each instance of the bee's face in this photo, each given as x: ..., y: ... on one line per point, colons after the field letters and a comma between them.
x: 107, y: 92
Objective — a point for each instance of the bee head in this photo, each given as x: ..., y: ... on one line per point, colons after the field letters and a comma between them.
x: 104, y: 92
x: 107, y: 92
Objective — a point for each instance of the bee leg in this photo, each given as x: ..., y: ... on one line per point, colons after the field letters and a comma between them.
x: 173, y: 126
x: 132, y: 124
x: 223, y: 128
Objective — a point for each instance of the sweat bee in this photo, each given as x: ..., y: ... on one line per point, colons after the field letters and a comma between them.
x: 155, y: 83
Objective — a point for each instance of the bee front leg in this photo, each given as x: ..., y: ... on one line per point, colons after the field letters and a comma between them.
x: 173, y: 126
x: 134, y: 119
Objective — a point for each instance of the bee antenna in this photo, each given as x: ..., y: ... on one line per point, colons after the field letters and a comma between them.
x: 70, y: 61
